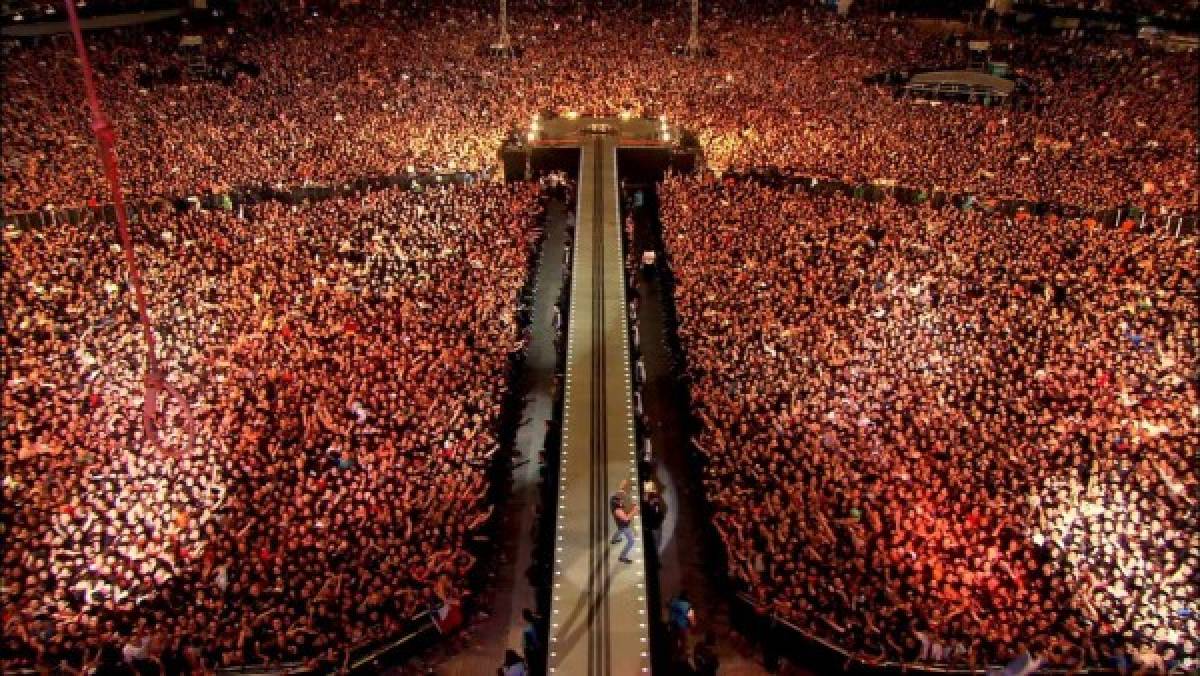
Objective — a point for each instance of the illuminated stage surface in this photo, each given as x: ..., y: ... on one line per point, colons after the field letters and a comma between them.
x: 648, y: 147
x: 570, y: 131
x: 598, y: 620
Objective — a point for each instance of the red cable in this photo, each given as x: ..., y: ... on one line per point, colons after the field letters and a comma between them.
x: 106, y: 139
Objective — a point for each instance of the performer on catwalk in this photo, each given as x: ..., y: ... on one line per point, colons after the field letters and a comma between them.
x: 623, y: 516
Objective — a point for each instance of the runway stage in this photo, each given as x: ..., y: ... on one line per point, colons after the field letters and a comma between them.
x: 598, y: 620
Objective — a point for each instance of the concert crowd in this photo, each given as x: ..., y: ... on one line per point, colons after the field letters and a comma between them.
x: 344, y: 363
x: 929, y: 434
x: 1111, y: 124
x: 941, y: 434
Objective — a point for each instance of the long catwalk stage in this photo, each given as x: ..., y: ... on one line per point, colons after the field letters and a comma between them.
x: 598, y: 620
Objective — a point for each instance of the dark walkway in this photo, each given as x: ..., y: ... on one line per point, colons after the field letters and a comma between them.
x: 686, y: 549
x: 480, y: 649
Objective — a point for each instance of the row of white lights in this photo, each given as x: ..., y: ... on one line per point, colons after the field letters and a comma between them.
x: 637, y: 485
x: 562, y: 491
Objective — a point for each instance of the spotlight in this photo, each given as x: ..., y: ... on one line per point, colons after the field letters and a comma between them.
x: 572, y: 115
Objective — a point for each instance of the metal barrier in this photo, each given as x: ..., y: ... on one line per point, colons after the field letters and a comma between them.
x: 781, y: 637
x: 365, y: 658
x: 1177, y: 225
x: 246, y: 195
x: 418, y: 634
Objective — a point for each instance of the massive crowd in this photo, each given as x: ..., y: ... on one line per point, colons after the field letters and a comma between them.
x: 345, y: 364
x: 941, y: 434
x: 335, y: 100
x: 930, y: 433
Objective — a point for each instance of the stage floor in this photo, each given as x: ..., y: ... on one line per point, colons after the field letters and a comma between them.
x: 598, y: 620
x: 574, y: 131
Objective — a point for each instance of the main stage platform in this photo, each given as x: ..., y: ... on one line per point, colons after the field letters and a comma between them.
x: 570, y: 129
x: 648, y: 146
x: 598, y: 617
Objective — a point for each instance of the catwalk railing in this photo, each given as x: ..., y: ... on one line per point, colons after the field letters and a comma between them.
x: 419, y: 633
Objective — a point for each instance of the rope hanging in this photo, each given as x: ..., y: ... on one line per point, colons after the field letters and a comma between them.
x: 155, y: 379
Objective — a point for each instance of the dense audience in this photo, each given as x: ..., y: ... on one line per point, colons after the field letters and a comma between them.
x: 345, y: 363
x: 941, y: 434
x: 929, y: 433
x: 336, y: 100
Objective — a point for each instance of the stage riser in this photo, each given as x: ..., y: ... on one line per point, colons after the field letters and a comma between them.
x: 636, y: 164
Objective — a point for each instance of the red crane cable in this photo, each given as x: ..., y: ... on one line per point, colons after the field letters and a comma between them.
x: 106, y: 140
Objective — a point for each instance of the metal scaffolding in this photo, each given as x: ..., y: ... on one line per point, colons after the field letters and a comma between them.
x: 503, y: 43
x: 694, y: 46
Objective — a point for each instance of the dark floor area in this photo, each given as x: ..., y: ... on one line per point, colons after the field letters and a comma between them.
x: 479, y: 649
x: 684, y: 549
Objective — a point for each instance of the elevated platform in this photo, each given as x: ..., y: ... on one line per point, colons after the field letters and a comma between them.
x: 649, y: 146
x: 598, y: 618
x: 570, y: 130
x: 965, y: 84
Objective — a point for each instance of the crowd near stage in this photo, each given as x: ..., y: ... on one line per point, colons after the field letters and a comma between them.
x: 369, y: 338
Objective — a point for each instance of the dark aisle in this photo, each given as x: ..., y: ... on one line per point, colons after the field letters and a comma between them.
x: 480, y: 648
x: 686, y: 552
